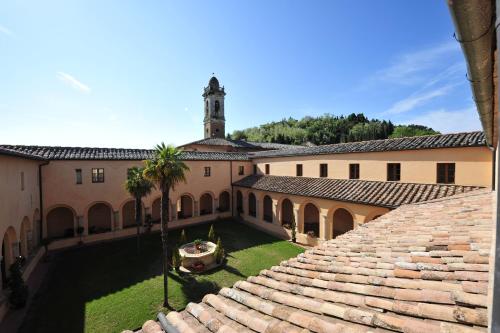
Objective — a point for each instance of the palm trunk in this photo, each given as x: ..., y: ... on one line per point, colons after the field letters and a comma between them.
x: 165, y: 193
x: 138, y: 222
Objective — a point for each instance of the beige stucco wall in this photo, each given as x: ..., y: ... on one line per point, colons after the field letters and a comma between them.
x: 473, y: 165
x: 60, y: 188
x: 360, y: 214
x: 19, y: 209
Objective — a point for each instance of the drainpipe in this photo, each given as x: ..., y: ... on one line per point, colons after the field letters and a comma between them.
x: 232, y: 187
x: 474, y: 26
x: 165, y: 324
x: 40, y: 196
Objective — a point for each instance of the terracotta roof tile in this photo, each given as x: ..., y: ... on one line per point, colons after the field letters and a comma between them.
x: 454, y: 140
x: 385, y: 194
x: 371, y: 279
x: 242, y: 144
x: 93, y: 153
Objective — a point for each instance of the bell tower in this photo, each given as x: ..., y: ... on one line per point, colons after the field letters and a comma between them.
x: 214, y: 121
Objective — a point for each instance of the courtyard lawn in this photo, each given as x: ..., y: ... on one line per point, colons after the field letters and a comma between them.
x: 109, y: 288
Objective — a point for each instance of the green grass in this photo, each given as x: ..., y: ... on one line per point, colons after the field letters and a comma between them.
x: 109, y: 288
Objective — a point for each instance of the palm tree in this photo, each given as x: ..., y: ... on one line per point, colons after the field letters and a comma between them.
x: 138, y: 186
x: 166, y: 170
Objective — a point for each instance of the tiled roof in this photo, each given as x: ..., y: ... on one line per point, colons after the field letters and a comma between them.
x: 421, y: 268
x: 456, y: 140
x: 241, y: 144
x: 385, y: 194
x: 87, y: 153
x: 15, y: 153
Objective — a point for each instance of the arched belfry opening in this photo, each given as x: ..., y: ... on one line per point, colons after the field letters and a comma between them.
x: 214, y: 121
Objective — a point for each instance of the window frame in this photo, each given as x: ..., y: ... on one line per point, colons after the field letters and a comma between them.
x: 323, y: 170
x: 98, y: 178
x: 449, y: 177
x: 255, y: 169
x: 393, y: 172
x: 241, y: 170
x: 207, y: 171
x: 78, y: 176
x: 267, y: 168
x: 354, y: 171
x: 299, y: 170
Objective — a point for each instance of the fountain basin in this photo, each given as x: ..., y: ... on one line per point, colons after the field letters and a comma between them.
x: 195, y: 259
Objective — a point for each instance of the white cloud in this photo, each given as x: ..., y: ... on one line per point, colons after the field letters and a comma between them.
x: 6, y: 31
x: 449, y: 121
x: 410, y: 68
x: 73, y: 82
x: 417, y: 99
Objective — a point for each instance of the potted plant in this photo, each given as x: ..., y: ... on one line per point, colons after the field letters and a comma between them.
x: 79, y: 231
x: 198, y: 244
x: 311, y: 234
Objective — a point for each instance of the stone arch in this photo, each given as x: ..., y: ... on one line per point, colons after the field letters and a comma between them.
x: 206, y: 204
x: 342, y: 222
x: 287, y: 212
x: 239, y: 201
x: 100, y: 218
x: 25, y: 237
x: 60, y: 222
x: 224, y: 201
x: 267, y: 212
x: 252, y: 205
x: 128, y: 214
x: 185, y: 206
x: 311, y: 219
x: 10, y: 249
x: 156, y: 210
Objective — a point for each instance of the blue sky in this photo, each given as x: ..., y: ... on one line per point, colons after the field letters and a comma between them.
x: 121, y: 73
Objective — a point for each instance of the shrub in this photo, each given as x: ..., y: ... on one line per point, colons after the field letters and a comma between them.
x: 183, y: 239
x: 176, y: 258
x: 219, y: 252
x: 293, y: 226
x: 19, y: 290
x: 211, y: 234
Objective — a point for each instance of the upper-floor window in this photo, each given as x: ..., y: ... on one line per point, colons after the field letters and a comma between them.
x: 78, y: 174
x: 241, y: 170
x: 254, y: 169
x: 354, y: 171
x: 446, y: 173
x: 299, y: 170
x: 217, y: 107
x: 323, y: 170
x: 207, y: 172
x: 394, y: 172
x: 267, y: 169
x: 22, y: 180
x: 97, y: 175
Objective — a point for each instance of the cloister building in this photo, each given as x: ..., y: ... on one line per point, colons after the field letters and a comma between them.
x: 55, y: 192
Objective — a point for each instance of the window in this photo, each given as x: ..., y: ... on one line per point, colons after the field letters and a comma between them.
x: 254, y: 169
x: 446, y: 173
x: 323, y: 170
x: 22, y: 180
x: 97, y: 175
x: 78, y: 173
x: 354, y: 171
x: 241, y: 170
x: 267, y: 169
x: 299, y: 170
x: 207, y: 172
x: 394, y: 172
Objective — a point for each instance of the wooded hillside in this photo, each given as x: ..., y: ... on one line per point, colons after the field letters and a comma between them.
x: 328, y: 129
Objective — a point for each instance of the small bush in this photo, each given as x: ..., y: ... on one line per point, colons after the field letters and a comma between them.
x: 211, y: 234
x: 219, y: 252
x: 183, y: 239
x: 19, y: 290
x: 176, y: 258
x: 293, y: 226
